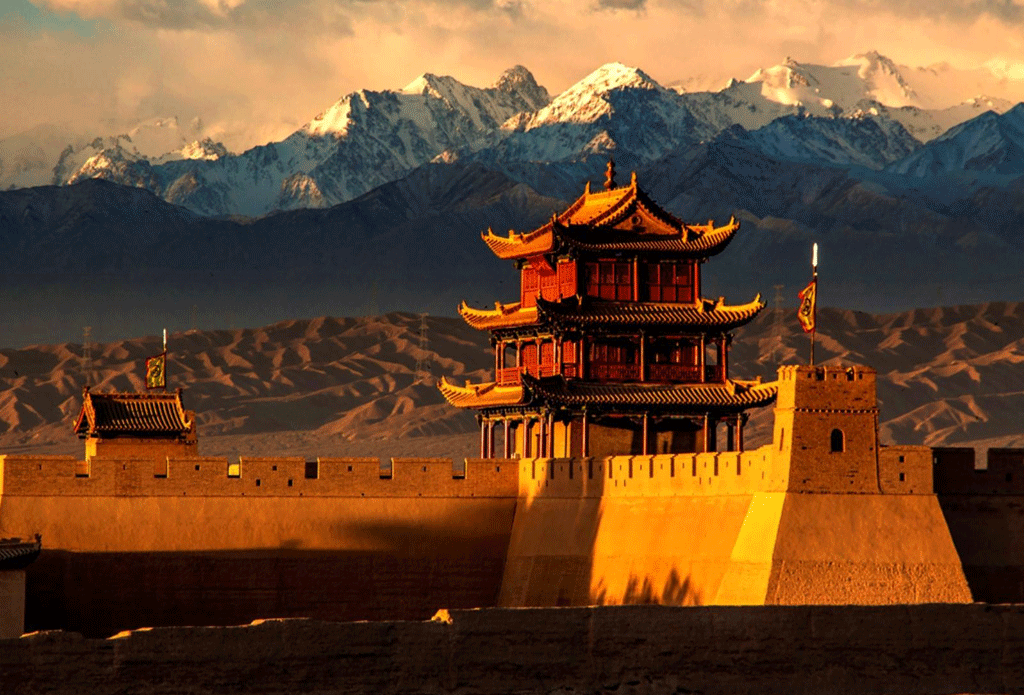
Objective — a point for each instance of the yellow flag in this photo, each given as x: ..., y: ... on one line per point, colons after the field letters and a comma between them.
x: 808, y: 306
x: 156, y: 371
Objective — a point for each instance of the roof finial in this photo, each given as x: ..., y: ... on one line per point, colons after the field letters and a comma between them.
x: 609, y: 175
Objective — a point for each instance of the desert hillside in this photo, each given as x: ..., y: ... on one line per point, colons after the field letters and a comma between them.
x: 364, y: 386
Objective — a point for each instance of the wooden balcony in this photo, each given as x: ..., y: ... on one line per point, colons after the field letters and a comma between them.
x: 613, y: 372
x: 685, y: 373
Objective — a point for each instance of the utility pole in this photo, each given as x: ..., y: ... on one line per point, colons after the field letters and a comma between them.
x: 422, y: 370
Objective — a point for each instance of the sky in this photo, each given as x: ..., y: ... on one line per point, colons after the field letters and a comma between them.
x: 254, y: 70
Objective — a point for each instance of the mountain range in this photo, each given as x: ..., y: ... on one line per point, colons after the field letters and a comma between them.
x: 386, y: 193
x: 864, y: 111
x: 342, y: 386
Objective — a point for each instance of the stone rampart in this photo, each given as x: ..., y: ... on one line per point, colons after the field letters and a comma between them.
x: 984, y: 507
x: 129, y: 543
x: 890, y: 650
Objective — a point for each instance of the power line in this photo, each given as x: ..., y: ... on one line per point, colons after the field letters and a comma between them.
x: 422, y: 369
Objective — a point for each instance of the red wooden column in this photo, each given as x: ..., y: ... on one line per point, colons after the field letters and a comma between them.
x: 724, y: 360
x: 505, y: 446
x: 643, y: 356
x: 702, y: 349
x: 645, y: 424
x: 483, y: 438
x: 740, y: 421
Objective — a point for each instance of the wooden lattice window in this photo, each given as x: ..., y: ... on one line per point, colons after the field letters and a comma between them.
x: 611, y: 280
x: 670, y: 282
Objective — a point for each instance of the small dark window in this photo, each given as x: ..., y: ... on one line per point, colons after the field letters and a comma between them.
x: 497, y: 469
x: 903, y: 477
x: 350, y: 469
x: 273, y: 468
x: 197, y: 466
x: 902, y: 459
x: 312, y: 470
x: 424, y: 469
x: 838, y: 441
x: 1009, y: 477
x: 257, y: 482
x: 289, y: 482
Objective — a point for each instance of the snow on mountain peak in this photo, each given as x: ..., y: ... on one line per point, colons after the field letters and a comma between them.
x: 882, y: 78
x: 614, y: 76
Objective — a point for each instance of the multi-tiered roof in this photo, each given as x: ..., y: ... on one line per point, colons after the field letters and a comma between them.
x: 610, y: 319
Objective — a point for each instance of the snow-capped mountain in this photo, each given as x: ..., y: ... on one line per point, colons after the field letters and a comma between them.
x: 863, y: 111
x: 365, y: 139
x: 615, y: 108
x: 989, y: 143
x: 864, y: 84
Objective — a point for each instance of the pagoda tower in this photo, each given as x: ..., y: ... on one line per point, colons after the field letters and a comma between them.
x: 611, y: 349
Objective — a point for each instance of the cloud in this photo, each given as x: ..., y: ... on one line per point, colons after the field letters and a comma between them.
x: 621, y: 4
x: 256, y: 69
x: 1006, y: 11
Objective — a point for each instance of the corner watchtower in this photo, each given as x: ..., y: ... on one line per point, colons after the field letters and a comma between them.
x: 826, y: 425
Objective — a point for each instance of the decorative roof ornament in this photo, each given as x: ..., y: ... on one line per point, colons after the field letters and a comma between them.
x: 609, y: 175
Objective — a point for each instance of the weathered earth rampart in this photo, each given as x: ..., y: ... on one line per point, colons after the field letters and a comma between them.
x: 877, y: 650
x: 134, y: 543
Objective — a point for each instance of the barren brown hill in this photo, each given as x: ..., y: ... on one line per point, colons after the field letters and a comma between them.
x: 331, y: 386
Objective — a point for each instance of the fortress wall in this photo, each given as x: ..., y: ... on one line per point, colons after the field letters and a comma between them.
x: 801, y: 650
x: 905, y: 470
x: 864, y: 549
x: 984, y: 509
x: 251, y: 476
x: 639, y: 529
x: 164, y: 542
x: 662, y: 475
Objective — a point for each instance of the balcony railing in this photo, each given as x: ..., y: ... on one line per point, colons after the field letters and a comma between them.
x: 614, y: 372
x: 510, y: 375
x: 673, y: 372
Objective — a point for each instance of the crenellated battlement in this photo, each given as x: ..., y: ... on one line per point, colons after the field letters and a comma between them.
x: 666, y: 475
x: 957, y: 472
x: 255, y: 477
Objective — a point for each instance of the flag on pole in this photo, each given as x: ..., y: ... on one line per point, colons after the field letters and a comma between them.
x: 156, y: 371
x: 156, y: 368
x: 808, y: 306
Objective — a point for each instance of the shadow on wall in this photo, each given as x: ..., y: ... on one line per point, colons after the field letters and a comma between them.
x: 676, y: 592
x: 602, y: 531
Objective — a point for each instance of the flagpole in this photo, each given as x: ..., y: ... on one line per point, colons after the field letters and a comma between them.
x: 814, y: 281
x: 165, y: 358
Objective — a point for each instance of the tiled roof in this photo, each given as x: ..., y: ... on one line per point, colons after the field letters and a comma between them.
x: 17, y: 554
x: 732, y: 393
x: 737, y: 394
x: 623, y: 219
x: 105, y: 414
x: 704, y: 313
x: 700, y: 241
x: 481, y: 395
x: 502, y: 316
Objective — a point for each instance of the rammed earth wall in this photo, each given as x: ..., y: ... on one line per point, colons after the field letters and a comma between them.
x: 881, y: 650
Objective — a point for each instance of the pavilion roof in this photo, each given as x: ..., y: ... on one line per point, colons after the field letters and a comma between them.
x: 623, y: 218
x: 559, y: 391
x: 742, y: 394
x: 139, y: 414
x: 501, y: 316
x: 704, y: 313
x: 481, y: 395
